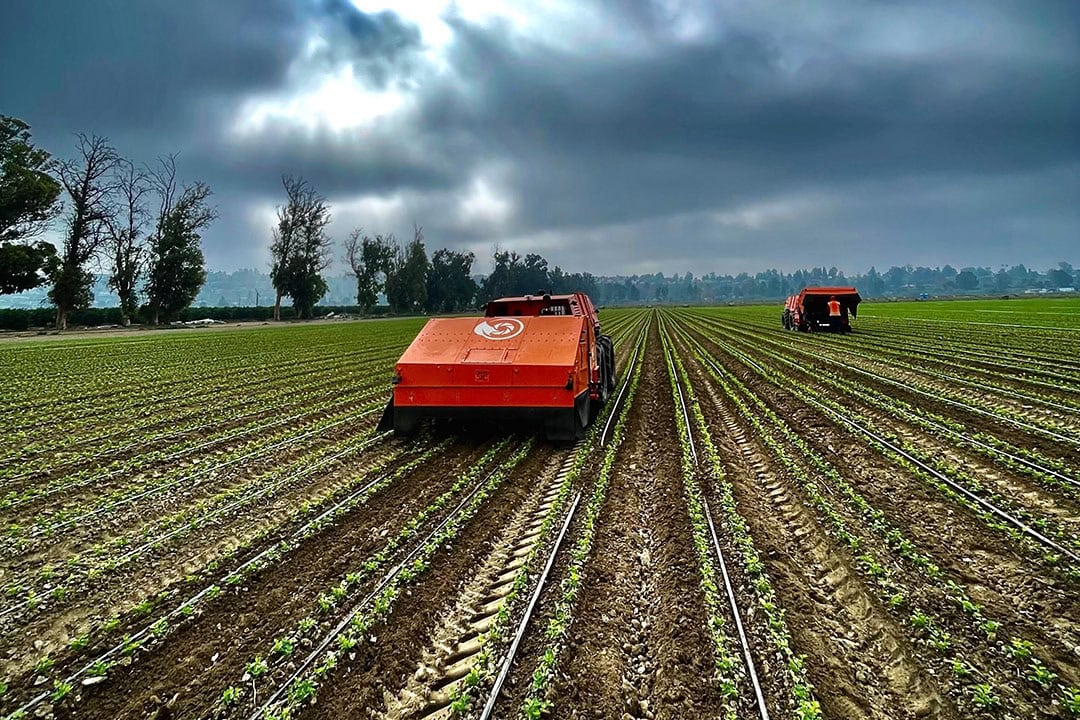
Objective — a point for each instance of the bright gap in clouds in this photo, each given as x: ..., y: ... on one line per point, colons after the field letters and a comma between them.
x: 337, y: 101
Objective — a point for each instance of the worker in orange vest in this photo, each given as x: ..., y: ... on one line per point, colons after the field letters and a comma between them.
x: 834, y: 313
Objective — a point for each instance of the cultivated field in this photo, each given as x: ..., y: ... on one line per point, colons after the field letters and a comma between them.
x: 882, y: 525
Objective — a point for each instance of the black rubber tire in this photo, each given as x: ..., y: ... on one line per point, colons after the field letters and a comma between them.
x: 406, y: 423
x: 608, y: 362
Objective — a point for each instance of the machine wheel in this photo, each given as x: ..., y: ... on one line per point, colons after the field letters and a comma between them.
x: 568, y: 425
x: 607, y: 365
x: 406, y: 422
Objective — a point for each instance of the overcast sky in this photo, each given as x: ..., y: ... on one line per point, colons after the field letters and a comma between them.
x: 609, y: 136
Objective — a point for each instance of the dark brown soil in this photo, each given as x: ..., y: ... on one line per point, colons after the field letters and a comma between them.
x: 197, y: 662
x: 639, y: 641
x: 357, y: 688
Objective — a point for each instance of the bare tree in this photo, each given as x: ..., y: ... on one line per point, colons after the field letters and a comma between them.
x: 300, y: 249
x: 89, y: 180
x: 126, y: 246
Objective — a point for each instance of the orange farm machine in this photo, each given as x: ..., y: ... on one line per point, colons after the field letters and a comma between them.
x: 809, y: 310
x: 538, y: 360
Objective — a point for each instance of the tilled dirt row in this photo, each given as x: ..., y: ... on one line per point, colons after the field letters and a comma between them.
x: 155, y: 418
x: 639, y: 644
x: 458, y: 637
x: 1007, y: 584
x: 145, y: 491
x: 372, y: 675
x: 46, y: 470
x: 976, y: 421
x: 1054, y: 503
x: 1027, y: 379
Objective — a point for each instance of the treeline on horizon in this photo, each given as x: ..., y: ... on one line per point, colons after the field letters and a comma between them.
x: 142, y: 224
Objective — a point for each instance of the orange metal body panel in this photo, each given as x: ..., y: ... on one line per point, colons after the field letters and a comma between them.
x: 538, y: 361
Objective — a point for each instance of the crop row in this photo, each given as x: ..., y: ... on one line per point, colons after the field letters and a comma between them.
x: 300, y: 684
x: 737, y: 530
x: 891, y: 577
x: 960, y: 367
x: 143, y: 419
x: 1045, y: 469
x: 1028, y: 356
x: 539, y: 698
x: 495, y: 638
x: 1049, y: 471
x: 235, y: 443
x: 173, y: 365
x: 94, y: 564
x: 1049, y: 426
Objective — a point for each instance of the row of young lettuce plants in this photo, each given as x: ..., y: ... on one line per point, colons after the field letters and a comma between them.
x: 1007, y: 380
x: 81, y: 571
x: 979, y: 634
x: 37, y: 449
x: 1048, y: 471
x: 539, y: 700
x: 136, y: 477
x: 993, y: 372
x: 172, y: 366
x: 710, y: 470
x: 302, y: 687
x: 492, y: 641
x: 139, y: 414
x: 1047, y: 425
x: 1014, y: 349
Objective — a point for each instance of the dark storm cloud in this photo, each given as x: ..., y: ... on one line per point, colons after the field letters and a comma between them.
x: 722, y: 122
x: 381, y: 45
x: 116, y: 67
x: 738, y: 135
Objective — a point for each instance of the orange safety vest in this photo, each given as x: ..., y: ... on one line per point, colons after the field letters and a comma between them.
x: 834, y: 308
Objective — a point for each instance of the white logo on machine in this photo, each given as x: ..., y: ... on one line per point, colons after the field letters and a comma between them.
x: 501, y: 329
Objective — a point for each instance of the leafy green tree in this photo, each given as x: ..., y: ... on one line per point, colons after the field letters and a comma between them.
x: 1001, y: 280
x: 875, y: 285
x: 89, y: 181
x: 1061, y: 276
x: 25, y: 267
x: 300, y: 247
x: 449, y: 285
x: 370, y: 260
x: 515, y: 275
x: 304, y: 283
x: 28, y: 192
x: 177, y: 268
x: 406, y: 284
x: 967, y: 280
x: 501, y: 280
